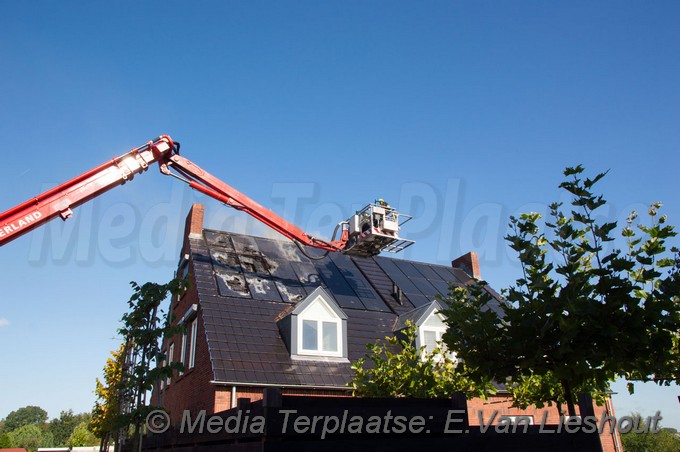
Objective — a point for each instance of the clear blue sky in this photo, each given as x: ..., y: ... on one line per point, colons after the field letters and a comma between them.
x: 461, y: 113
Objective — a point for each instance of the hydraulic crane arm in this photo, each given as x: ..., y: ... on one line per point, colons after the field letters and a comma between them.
x: 59, y: 201
x: 208, y: 184
x: 367, y: 233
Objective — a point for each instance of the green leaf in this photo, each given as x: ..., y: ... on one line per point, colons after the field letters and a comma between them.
x: 570, y: 171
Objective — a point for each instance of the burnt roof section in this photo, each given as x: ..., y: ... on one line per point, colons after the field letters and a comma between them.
x: 246, y: 283
x: 273, y: 270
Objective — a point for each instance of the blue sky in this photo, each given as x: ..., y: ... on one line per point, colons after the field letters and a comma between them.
x: 460, y: 113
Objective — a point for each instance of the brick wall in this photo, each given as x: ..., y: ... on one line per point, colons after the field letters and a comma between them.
x: 192, y: 390
x: 223, y: 400
x: 502, y: 405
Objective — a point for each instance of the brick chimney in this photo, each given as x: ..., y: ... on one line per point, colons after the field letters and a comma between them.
x: 193, y: 227
x: 469, y: 263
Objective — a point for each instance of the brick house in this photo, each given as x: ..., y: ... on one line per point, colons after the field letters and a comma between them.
x: 260, y: 314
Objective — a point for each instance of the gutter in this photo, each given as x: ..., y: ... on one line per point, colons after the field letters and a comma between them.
x: 233, y: 384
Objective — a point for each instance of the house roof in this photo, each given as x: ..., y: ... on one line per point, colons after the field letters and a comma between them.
x: 300, y: 306
x: 418, y: 315
x: 246, y: 283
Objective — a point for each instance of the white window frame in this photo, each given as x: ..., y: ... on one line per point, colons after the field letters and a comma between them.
x: 188, y: 358
x: 181, y: 273
x: 169, y: 357
x: 183, y: 353
x: 191, y: 334
x: 163, y: 379
x: 439, y: 333
x: 330, y: 317
x: 188, y: 351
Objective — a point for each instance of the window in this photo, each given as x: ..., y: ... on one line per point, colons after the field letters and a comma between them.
x: 315, y: 328
x: 163, y: 365
x: 188, y: 350
x: 431, y: 337
x: 191, y: 347
x: 171, y: 358
x: 431, y: 329
x: 319, y: 336
x: 319, y: 330
x: 182, y: 273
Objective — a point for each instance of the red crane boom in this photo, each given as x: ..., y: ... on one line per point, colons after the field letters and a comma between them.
x: 366, y: 233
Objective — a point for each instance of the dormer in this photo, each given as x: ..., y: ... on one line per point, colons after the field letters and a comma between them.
x: 315, y: 328
x: 430, y: 324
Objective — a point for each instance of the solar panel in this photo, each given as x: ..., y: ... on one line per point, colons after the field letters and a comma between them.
x: 272, y: 270
x: 232, y: 284
x: 446, y: 273
x: 426, y: 288
x: 282, y: 273
x: 224, y: 260
x: 279, y: 250
x: 255, y: 267
x: 417, y: 278
x: 308, y: 275
x: 262, y: 288
x: 440, y: 284
x: 417, y: 299
x: 336, y: 283
x: 245, y: 245
x: 254, y: 264
x: 427, y: 272
x: 290, y: 293
x: 442, y: 287
x: 408, y: 269
x: 369, y: 298
x: 219, y: 239
x: 408, y: 287
x: 396, y: 275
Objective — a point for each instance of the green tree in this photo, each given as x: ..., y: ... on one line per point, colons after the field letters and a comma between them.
x: 82, y: 436
x: 6, y: 441
x: 31, y: 437
x: 144, y: 326
x: 62, y: 427
x: 664, y: 440
x: 28, y: 415
x: 579, y: 316
x: 395, y: 367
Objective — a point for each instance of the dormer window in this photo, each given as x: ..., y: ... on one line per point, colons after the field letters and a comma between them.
x: 321, y: 330
x: 431, y: 327
x: 430, y: 332
x: 430, y: 338
x: 315, y: 327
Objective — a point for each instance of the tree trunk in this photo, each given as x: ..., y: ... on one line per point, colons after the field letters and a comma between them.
x: 558, y: 405
x: 136, y: 438
x: 566, y: 391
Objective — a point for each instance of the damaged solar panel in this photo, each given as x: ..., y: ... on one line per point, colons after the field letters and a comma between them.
x: 273, y: 270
